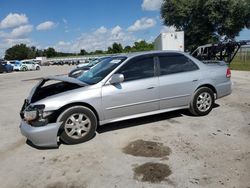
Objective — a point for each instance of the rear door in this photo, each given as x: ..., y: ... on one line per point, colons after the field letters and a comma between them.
x: 178, y: 79
x: 139, y: 93
x: 28, y: 65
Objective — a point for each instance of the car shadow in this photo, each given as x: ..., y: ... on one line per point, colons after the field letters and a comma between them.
x: 28, y: 142
x: 145, y: 120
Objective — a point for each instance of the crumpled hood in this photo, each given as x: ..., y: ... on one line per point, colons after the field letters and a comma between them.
x: 67, y: 83
x: 65, y: 79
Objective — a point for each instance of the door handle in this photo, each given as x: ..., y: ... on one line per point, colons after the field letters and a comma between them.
x: 151, y: 87
x: 195, y: 80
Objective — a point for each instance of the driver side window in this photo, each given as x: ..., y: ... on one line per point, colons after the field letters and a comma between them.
x: 137, y: 69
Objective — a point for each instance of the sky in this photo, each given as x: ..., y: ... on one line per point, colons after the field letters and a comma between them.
x: 69, y: 26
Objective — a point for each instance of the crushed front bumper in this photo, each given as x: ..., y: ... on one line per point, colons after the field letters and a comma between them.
x: 45, y: 136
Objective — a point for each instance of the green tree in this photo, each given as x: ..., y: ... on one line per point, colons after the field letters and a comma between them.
x: 142, y: 46
x: 205, y: 21
x: 110, y: 50
x: 117, y: 48
x: 39, y: 53
x: 83, y: 52
x: 127, y: 49
x: 98, y: 52
x: 19, y: 52
x: 50, y: 52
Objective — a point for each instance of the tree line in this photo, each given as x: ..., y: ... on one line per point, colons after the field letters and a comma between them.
x: 22, y: 51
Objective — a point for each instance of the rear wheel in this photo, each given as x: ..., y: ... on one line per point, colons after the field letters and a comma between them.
x: 78, y: 124
x: 202, y: 102
x: 37, y: 68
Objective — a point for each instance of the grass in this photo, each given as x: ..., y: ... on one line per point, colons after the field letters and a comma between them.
x: 240, y: 65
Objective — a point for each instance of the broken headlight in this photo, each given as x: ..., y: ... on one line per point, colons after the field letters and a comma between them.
x: 36, y: 115
x: 32, y: 113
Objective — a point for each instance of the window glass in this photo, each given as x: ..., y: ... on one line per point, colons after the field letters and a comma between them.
x: 175, y: 64
x: 138, y: 69
x: 101, y: 70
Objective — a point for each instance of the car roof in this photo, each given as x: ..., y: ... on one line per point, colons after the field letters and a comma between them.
x: 135, y: 54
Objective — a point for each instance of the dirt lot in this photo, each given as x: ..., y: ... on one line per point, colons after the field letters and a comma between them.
x: 166, y: 150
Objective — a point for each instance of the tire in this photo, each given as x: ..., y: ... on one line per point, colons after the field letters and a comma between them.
x: 24, y: 69
x: 78, y: 124
x: 37, y: 68
x: 202, y: 102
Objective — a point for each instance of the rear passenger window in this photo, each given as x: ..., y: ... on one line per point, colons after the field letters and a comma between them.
x: 176, y: 64
x: 138, y: 69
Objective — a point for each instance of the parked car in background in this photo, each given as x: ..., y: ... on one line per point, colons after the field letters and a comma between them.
x: 39, y: 62
x: 121, y: 88
x: 47, y: 63
x: 85, y: 67
x: 26, y: 65
x: 2, y: 68
x: 5, y: 67
x: 12, y: 62
x: 58, y: 63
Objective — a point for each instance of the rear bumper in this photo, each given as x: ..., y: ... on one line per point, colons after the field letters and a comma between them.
x: 224, y: 89
x: 45, y: 136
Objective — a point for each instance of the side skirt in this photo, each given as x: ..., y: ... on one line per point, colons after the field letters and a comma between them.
x: 141, y: 115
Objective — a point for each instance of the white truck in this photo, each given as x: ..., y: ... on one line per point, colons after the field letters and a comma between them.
x: 170, y: 41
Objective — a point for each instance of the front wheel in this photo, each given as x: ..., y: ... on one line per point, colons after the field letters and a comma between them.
x: 24, y: 69
x: 78, y: 124
x: 202, y: 102
x: 37, y: 68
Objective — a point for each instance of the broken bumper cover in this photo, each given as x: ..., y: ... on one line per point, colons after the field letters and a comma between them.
x: 45, y: 136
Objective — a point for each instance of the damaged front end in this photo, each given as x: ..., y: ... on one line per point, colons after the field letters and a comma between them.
x: 38, y: 124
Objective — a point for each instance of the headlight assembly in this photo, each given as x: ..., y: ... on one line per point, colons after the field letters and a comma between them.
x: 32, y: 113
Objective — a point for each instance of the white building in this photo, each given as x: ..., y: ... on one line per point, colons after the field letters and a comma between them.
x: 170, y: 41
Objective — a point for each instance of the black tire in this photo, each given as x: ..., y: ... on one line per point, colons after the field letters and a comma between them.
x: 199, y: 107
x: 37, y: 68
x: 24, y: 69
x: 65, y: 116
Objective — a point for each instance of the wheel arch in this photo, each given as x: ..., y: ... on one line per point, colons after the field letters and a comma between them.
x: 24, y: 66
x: 60, y: 110
x: 210, y: 86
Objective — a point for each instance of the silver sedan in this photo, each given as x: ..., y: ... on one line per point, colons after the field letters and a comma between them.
x: 121, y: 88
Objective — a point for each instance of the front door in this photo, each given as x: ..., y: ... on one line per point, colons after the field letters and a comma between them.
x: 139, y: 93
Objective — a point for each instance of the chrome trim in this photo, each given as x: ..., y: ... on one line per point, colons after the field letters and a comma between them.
x: 132, y: 104
x: 141, y: 115
x: 175, y: 97
x: 145, y: 102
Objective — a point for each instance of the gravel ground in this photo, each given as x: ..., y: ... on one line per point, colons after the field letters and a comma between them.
x: 210, y: 151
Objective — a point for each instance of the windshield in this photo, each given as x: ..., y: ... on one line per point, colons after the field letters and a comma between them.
x: 17, y: 63
x: 101, y: 70
x: 93, y: 62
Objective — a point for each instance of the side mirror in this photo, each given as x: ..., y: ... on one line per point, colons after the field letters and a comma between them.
x: 116, y: 79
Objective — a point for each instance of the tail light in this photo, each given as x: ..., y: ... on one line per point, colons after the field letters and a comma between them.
x: 228, y: 75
